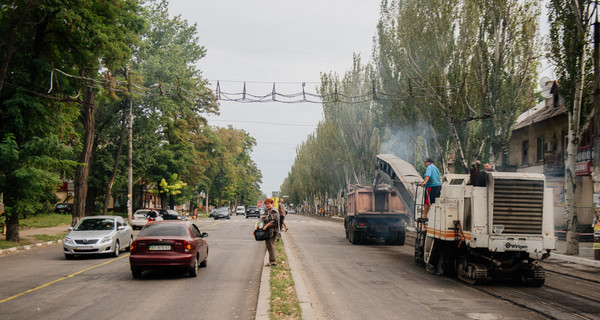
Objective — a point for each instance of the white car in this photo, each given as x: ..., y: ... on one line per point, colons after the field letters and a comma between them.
x: 240, y: 210
x: 98, y: 235
x: 140, y: 218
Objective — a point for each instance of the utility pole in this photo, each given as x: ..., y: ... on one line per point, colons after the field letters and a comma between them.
x: 596, y: 137
x: 130, y: 167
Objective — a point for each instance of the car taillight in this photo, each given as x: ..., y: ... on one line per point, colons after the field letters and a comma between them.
x: 187, y: 246
x: 133, y: 246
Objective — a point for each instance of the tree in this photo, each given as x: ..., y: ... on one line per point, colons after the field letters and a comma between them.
x: 463, y: 73
x: 570, y: 36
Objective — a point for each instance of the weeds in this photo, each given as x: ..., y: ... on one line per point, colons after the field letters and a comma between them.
x: 284, y: 302
x: 45, y: 221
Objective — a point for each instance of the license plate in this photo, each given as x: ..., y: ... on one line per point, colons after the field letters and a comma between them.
x: 84, y: 248
x: 160, y: 248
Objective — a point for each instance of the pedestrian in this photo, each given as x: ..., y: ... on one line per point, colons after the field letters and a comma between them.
x: 282, y: 214
x: 271, y: 220
x: 488, y: 167
x: 432, y: 184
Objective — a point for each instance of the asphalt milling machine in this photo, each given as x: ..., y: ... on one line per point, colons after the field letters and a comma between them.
x: 500, y: 226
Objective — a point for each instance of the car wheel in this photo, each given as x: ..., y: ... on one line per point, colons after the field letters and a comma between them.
x: 129, y: 246
x: 194, y: 269
x: 204, y: 263
x: 136, y: 273
x: 69, y: 256
x: 117, y: 249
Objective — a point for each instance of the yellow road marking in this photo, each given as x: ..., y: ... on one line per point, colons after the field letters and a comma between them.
x: 61, y: 279
x: 77, y: 273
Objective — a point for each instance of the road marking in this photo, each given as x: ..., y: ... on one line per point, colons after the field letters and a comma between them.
x: 61, y: 279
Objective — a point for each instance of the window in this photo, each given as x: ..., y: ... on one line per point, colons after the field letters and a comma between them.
x: 525, y: 152
x: 540, y: 149
x: 505, y: 157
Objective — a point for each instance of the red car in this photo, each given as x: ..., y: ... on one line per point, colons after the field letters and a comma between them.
x: 169, y: 244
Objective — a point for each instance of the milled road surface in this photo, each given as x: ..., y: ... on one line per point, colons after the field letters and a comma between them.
x: 103, y: 287
x: 377, y: 281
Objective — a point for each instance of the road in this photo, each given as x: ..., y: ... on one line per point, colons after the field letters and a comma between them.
x: 42, y: 284
x: 338, y: 280
x: 377, y: 281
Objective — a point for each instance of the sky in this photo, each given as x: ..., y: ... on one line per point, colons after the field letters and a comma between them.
x: 288, y: 43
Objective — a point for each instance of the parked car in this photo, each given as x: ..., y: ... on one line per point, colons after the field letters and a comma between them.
x: 142, y: 216
x: 63, y: 208
x: 291, y: 211
x: 222, y: 212
x: 252, y: 212
x: 171, y: 215
x: 98, y: 235
x: 169, y: 244
x: 211, y: 214
x: 240, y: 210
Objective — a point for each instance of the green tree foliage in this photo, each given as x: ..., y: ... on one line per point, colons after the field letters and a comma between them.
x: 113, y: 55
x: 464, y: 73
x: 75, y: 36
x: 342, y: 150
x: 453, y: 75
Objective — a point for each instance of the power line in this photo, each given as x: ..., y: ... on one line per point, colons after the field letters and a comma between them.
x: 267, y: 123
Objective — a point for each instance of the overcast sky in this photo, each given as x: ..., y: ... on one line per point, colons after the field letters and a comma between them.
x: 287, y: 42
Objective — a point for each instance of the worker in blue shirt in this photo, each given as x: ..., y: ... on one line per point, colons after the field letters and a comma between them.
x: 432, y: 184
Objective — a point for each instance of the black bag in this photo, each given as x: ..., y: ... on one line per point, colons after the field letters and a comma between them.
x: 261, y: 235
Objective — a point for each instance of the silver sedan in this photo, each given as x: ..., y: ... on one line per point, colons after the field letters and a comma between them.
x: 98, y: 235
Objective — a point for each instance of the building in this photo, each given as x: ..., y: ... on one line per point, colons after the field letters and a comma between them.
x: 538, y: 145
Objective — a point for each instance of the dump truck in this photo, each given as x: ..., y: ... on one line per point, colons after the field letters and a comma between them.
x: 375, y: 212
x: 484, y: 225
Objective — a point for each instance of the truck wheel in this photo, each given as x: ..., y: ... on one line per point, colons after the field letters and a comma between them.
x: 401, y: 236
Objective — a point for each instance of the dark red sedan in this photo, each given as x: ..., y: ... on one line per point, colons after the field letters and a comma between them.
x: 169, y: 244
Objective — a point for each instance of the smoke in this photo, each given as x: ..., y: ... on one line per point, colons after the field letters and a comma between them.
x: 403, y: 142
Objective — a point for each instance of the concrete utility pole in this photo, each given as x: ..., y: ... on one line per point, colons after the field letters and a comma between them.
x: 596, y: 137
x: 130, y: 171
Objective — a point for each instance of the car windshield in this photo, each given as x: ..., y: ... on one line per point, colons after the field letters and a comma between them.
x: 95, y: 224
x: 61, y: 206
x: 164, y: 229
x: 253, y: 208
x: 223, y: 209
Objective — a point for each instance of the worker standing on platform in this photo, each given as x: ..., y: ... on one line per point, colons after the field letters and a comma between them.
x: 432, y: 184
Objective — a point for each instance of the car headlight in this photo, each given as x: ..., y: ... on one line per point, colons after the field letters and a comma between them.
x: 68, y: 240
x: 106, y: 239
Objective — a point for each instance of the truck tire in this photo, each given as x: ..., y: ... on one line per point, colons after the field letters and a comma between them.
x: 401, y: 236
x: 354, y: 236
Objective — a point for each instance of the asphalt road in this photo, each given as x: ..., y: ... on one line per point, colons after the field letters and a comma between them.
x: 42, y: 284
x: 377, y: 281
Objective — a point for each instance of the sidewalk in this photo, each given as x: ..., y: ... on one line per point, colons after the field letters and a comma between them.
x: 585, y: 256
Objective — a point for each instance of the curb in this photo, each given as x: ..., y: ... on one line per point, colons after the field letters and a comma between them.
x: 264, y: 292
x: 574, y: 259
x: 29, y: 246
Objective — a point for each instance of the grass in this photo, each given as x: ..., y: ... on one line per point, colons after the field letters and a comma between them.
x: 284, y: 301
x: 45, y: 221
x: 52, y: 237
x: 39, y: 221
x: 10, y: 244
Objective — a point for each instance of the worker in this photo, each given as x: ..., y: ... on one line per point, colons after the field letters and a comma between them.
x: 432, y: 184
